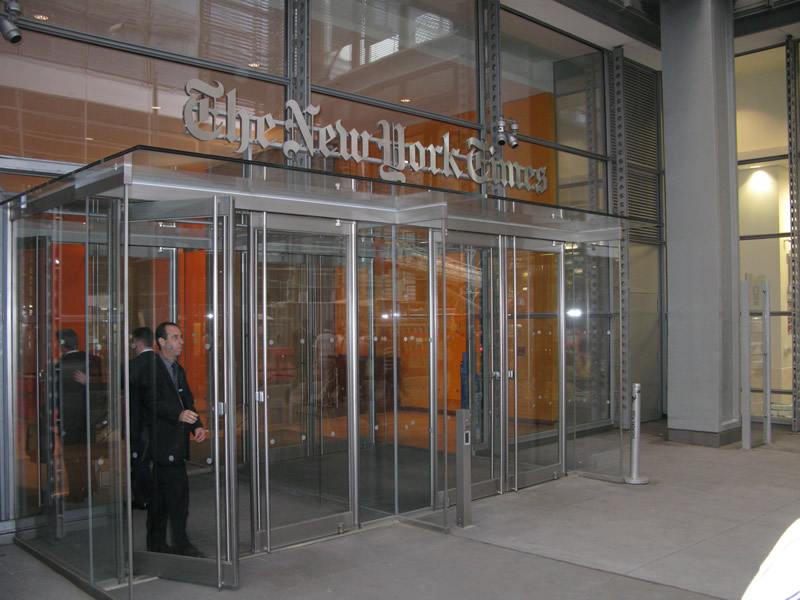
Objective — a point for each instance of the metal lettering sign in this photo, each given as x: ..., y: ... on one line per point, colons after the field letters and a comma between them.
x: 210, y: 113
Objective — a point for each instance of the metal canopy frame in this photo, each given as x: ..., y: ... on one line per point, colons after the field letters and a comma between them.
x: 158, y: 182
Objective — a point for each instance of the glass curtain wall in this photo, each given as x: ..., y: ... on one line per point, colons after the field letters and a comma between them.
x: 554, y: 88
x: 69, y: 474
x: 765, y: 229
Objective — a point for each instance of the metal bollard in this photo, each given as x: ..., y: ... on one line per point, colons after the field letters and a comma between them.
x: 463, y: 468
x: 634, y: 477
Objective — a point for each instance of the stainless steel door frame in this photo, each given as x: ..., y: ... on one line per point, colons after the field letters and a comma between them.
x: 268, y: 537
x: 517, y: 480
x: 220, y: 211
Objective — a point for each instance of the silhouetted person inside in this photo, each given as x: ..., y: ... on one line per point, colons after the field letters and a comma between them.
x: 169, y: 405
x: 142, y: 373
x: 72, y: 403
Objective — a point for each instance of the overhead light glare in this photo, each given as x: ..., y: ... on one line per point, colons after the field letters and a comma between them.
x: 41, y: 17
x: 254, y: 65
x: 156, y: 107
x: 405, y: 100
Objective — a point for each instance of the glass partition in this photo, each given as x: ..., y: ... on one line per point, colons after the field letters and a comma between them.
x: 553, y: 85
x: 594, y: 424
x: 70, y: 455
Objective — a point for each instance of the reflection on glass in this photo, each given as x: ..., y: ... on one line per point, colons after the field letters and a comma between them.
x: 67, y: 400
x: 390, y: 429
x: 471, y: 326
x: 104, y: 111
x: 553, y: 85
x: 533, y: 352
x: 306, y: 350
x: 413, y: 52
x: 592, y: 359
x: 236, y: 32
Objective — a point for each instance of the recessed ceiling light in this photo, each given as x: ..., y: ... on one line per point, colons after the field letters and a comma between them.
x: 254, y: 65
x: 405, y: 100
x: 41, y: 17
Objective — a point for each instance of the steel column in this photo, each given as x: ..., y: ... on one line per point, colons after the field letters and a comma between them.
x: 792, y: 76
x: 621, y: 209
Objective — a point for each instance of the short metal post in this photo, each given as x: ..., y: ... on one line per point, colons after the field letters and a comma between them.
x: 765, y: 325
x: 463, y: 468
x: 635, y: 434
x: 744, y: 353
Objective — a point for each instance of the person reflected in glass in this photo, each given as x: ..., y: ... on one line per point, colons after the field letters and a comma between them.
x: 169, y: 405
x: 141, y: 377
x: 72, y: 402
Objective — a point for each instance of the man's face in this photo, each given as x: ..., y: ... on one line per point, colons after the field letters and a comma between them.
x: 172, y: 346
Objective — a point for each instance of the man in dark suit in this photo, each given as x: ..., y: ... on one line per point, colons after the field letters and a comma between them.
x: 141, y: 371
x: 170, y: 408
x: 71, y: 405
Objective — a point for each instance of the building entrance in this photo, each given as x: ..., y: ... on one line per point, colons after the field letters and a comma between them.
x: 325, y: 342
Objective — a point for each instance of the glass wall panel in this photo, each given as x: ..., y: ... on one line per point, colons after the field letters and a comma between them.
x: 416, y: 52
x: 552, y: 85
x: 394, y: 370
x: 768, y: 261
x: 558, y: 177
x: 68, y: 101
x: 761, y: 112
x: 69, y: 458
x: 780, y: 356
x: 421, y: 139
x: 592, y: 359
x: 241, y: 33
x: 764, y: 198
x: 534, y: 356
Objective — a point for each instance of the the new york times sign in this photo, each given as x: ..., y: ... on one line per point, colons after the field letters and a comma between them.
x: 210, y: 113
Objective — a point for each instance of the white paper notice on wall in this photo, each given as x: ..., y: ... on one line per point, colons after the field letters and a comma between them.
x: 755, y: 282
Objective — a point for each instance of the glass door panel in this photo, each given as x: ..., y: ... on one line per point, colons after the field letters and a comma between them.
x: 534, y: 351
x: 394, y: 346
x: 306, y: 269
x: 180, y: 286
x: 473, y: 331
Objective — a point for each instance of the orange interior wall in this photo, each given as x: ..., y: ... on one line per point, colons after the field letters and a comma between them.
x: 192, y: 319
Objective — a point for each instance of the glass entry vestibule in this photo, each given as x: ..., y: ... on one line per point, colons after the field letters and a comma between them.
x: 331, y: 327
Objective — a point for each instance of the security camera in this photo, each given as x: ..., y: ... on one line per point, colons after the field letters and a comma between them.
x: 8, y: 22
x: 512, y: 136
x: 505, y: 132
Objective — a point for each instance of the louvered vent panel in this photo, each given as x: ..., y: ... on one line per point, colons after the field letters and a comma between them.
x: 643, y: 150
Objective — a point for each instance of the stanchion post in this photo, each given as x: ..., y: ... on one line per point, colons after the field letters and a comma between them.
x: 463, y: 468
x: 634, y: 477
x: 744, y: 328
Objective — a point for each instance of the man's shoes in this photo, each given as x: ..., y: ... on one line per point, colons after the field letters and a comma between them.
x: 190, y: 550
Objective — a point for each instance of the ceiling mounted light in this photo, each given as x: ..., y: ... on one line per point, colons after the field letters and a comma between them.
x: 254, y: 65
x: 405, y: 100
x: 41, y: 17
x: 156, y: 107
x: 8, y: 21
